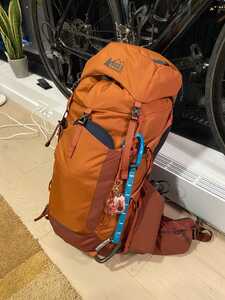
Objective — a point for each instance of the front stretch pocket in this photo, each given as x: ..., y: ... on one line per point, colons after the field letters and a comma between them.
x: 76, y: 179
x: 104, y: 186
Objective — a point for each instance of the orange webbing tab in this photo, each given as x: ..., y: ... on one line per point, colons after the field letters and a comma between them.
x: 88, y: 111
x: 133, y: 124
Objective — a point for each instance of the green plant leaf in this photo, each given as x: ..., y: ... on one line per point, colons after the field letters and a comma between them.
x: 8, y: 46
x: 15, y: 19
x: 5, y: 24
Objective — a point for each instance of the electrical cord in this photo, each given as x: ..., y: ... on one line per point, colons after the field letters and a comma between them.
x: 34, y: 127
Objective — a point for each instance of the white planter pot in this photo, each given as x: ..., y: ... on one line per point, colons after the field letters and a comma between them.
x: 19, y: 67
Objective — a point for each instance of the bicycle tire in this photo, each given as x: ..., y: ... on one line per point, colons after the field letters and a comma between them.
x: 116, y: 18
x: 214, y: 105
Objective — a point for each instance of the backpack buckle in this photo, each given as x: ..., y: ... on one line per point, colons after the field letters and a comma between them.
x: 101, y: 258
x: 136, y: 111
x: 82, y: 120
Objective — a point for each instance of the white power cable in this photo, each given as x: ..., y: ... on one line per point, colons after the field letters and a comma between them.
x: 35, y: 127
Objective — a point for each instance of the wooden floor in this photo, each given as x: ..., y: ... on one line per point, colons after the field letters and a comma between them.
x: 25, y: 170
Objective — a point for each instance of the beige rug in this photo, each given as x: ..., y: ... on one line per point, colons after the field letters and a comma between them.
x: 25, y: 271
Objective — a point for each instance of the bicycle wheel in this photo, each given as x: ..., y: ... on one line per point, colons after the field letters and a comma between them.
x: 87, y: 27
x: 215, y: 91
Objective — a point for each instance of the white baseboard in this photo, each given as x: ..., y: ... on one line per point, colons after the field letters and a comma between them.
x: 26, y: 92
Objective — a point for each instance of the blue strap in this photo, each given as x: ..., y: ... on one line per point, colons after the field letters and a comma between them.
x: 128, y: 189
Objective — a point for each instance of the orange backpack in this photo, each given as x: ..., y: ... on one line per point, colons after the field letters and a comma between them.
x: 123, y: 90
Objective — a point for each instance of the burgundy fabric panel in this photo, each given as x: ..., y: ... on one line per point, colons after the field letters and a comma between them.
x: 143, y: 233
x: 87, y: 242
x: 175, y: 236
x: 104, y: 187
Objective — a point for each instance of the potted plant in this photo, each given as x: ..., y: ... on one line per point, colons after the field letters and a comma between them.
x: 11, y: 33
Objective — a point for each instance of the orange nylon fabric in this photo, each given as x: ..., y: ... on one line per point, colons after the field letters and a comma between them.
x: 111, y: 82
x: 144, y: 79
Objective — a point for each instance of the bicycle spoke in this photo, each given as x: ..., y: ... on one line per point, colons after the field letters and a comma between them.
x: 101, y: 19
x: 92, y: 37
x: 90, y: 6
x: 59, y: 68
x: 49, y: 29
x: 223, y: 105
x: 69, y: 37
x: 60, y: 4
x: 58, y: 7
x: 103, y: 31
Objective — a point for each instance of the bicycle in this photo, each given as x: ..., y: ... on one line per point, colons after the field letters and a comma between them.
x: 74, y: 31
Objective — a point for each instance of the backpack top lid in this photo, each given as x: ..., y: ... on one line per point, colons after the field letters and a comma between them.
x: 145, y: 74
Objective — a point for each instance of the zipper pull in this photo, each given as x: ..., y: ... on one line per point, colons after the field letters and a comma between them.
x: 47, y: 144
x: 61, y: 125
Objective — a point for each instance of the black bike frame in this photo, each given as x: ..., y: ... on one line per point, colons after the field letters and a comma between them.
x: 179, y: 23
x: 75, y: 51
x: 177, y: 26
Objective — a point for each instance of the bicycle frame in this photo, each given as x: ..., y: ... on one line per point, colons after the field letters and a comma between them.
x: 180, y: 23
x: 78, y: 52
x: 175, y: 29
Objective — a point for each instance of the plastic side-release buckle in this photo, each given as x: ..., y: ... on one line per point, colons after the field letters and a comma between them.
x: 136, y: 111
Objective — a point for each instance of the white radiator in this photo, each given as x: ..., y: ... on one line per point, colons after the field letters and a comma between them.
x: 196, y: 177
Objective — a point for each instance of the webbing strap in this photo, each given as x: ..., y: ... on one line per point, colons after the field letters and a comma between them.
x: 133, y: 124
x: 201, y: 233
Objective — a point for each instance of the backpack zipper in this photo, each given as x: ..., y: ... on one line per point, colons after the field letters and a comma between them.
x: 79, y: 126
